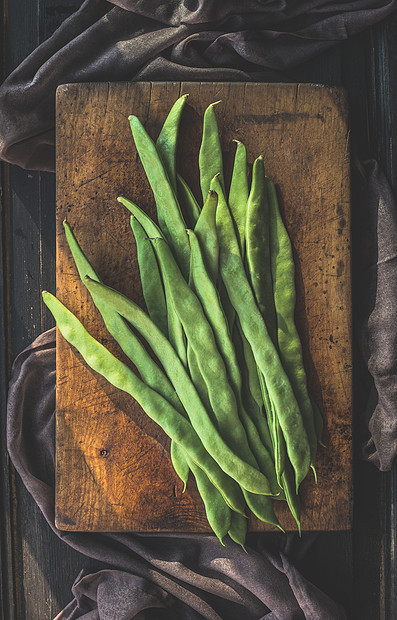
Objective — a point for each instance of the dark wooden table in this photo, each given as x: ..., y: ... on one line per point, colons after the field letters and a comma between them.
x: 357, y: 568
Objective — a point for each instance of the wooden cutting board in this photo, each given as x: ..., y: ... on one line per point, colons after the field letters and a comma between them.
x: 113, y: 472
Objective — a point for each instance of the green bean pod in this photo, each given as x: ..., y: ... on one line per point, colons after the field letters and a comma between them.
x: 179, y: 463
x: 238, y: 529
x: 210, y: 154
x: 131, y: 346
x: 259, y: 248
x: 209, y: 298
x: 238, y: 193
x: 262, y: 507
x: 293, y: 500
x: 152, y: 285
x: 242, y: 298
x: 163, y: 192
x: 212, y: 367
x: 218, y: 512
x: 250, y: 386
x: 153, y: 293
x: 205, y: 230
x: 289, y: 344
x: 176, y: 334
x: 166, y: 147
x: 190, y: 207
x: 198, y: 380
x: 247, y: 476
x: 176, y: 426
x: 167, y: 141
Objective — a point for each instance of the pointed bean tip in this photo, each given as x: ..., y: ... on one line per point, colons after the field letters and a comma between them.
x: 314, y: 473
x: 215, y: 103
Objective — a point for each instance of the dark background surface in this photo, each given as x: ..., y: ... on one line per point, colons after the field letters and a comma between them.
x: 358, y: 568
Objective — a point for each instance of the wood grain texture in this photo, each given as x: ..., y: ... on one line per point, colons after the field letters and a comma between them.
x: 113, y: 469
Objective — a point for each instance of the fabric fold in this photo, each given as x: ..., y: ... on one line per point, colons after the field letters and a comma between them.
x: 128, y: 40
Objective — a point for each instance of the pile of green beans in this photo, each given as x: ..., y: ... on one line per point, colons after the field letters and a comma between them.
x: 218, y: 353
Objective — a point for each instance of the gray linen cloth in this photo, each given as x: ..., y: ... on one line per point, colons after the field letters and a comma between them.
x: 191, y: 577
x: 126, y: 40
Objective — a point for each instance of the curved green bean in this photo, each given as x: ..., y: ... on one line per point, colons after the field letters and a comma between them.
x: 205, y: 230
x: 167, y: 141
x: 176, y: 426
x: 132, y: 347
x: 247, y: 476
x: 238, y: 529
x: 289, y: 344
x: 259, y: 247
x: 238, y: 193
x: 152, y: 285
x: 293, y: 500
x: 209, y: 298
x: 210, y: 154
x: 163, y: 192
x: 212, y: 367
x: 218, y: 512
x: 242, y: 298
x: 189, y: 204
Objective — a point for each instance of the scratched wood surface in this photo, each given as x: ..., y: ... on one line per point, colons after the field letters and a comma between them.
x: 113, y: 469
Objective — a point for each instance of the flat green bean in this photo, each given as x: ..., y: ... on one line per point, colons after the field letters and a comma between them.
x: 238, y: 193
x: 212, y: 367
x: 152, y: 285
x: 259, y: 248
x: 189, y: 204
x: 166, y: 147
x: 131, y: 346
x: 293, y: 500
x: 247, y: 476
x: 157, y: 408
x: 251, y: 386
x: 205, y: 230
x: 218, y: 512
x: 238, y: 529
x: 153, y: 293
x: 209, y: 298
x: 210, y: 154
x: 289, y: 344
x: 167, y: 141
x: 242, y: 298
x: 164, y: 194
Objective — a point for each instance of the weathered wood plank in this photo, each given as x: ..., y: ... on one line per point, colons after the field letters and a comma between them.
x: 382, y: 59
x: 42, y: 569
x: 96, y: 161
